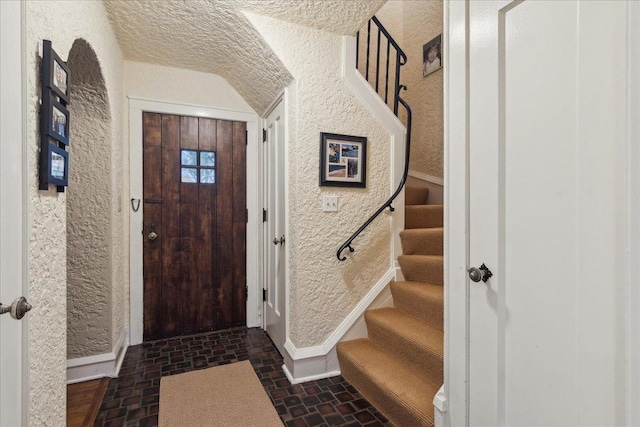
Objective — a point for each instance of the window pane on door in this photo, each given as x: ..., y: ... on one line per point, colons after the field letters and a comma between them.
x: 189, y: 175
x: 189, y: 158
x: 207, y: 158
x: 207, y: 176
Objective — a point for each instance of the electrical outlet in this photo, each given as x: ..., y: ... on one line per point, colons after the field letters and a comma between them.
x: 330, y: 203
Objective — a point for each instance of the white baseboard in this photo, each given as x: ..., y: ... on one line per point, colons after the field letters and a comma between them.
x: 429, y: 178
x: 293, y: 380
x: 308, y: 367
x: 440, y: 407
x: 99, y: 365
x: 321, y: 361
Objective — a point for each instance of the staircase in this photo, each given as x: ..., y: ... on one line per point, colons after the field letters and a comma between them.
x: 399, y: 367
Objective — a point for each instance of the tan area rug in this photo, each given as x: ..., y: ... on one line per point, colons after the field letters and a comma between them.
x: 227, y: 395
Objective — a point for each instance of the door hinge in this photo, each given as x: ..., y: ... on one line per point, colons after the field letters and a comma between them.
x: 246, y: 295
x: 264, y: 295
x: 247, y: 215
x: 264, y: 135
x: 246, y: 137
x: 264, y: 215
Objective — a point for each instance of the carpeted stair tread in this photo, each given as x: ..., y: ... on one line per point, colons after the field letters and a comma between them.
x: 417, y: 343
x: 403, y: 396
x: 423, y: 216
x: 422, y: 241
x: 424, y: 301
x: 422, y: 268
x: 415, y: 194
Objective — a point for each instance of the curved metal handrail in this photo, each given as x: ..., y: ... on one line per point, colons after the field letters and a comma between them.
x: 388, y: 203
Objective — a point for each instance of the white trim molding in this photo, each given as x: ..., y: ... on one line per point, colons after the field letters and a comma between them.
x: 425, y: 177
x: 455, y: 38
x: 136, y: 107
x: 99, y: 365
x: 321, y: 361
x: 440, y: 407
x: 632, y: 386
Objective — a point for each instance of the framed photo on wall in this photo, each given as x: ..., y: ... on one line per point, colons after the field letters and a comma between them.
x: 55, y: 167
x: 54, y: 119
x: 55, y: 73
x: 432, y: 56
x: 343, y: 160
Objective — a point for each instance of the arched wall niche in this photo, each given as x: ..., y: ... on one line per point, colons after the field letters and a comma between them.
x: 89, y: 239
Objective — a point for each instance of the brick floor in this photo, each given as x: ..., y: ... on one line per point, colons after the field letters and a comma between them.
x: 132, y: 398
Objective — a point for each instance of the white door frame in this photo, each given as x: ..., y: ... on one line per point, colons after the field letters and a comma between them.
x: 14, y: 405
x: 457, y: 137
x: 136, y: 108
x: 633, y: 237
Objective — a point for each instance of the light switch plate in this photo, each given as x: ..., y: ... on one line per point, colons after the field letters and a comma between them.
x: 330, y: 203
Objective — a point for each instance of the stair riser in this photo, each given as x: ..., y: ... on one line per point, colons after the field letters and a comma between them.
x: 425, y: 362
x: 416, y: 195
x: 421, y: 270
x: 427, y: 310
x: 379, y: 397
x: 429, y: 243
x: 423, y: 217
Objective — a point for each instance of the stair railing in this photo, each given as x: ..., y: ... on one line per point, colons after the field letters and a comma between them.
x: 403, y: 180
x: 400, y: 60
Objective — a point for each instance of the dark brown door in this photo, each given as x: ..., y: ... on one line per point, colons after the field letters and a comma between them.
x: 194, y: 224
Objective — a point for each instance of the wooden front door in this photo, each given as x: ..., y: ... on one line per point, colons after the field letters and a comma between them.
x: 194, y: 224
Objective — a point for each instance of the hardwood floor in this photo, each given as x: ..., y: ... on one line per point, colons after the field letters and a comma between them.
x: 83, y: 401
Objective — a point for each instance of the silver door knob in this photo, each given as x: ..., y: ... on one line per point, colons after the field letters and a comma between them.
x: 483, y: 273
x: 275, y: 241
x: 17, y: 309
x: 282, y: 240
x: 153, y: 235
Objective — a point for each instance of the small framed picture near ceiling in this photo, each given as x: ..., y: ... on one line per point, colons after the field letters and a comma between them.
x: 343, y: 160
x: 55, y: 73
x: 432, y: 56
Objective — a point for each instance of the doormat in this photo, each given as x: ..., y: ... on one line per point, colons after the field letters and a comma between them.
x: 226, y: 395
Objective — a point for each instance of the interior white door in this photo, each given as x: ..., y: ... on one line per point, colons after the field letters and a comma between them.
x: 274, y: 305
x: 546, y: 212
x: 11, y: 213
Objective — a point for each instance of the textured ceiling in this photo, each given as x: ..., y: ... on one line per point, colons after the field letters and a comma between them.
x: 215, y: 37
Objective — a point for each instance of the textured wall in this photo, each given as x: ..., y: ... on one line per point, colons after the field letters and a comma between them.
x: 322, y: 289
x: 88, y: 209
x: 62, y: 23
x: 210, y: 30
x: 160, y: 83
x: 422, y: 21
x: 390, y: 15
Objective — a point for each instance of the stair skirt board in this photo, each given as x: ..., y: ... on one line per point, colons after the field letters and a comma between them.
x: 99, y: 365
x: 312, y: 363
